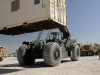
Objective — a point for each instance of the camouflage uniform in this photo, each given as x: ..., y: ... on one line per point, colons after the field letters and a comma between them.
x: 99, y: 54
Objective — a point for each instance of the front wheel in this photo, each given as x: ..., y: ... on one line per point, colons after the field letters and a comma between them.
x: 24, y: 56
x: 52, y: 54
x: 75, y: 53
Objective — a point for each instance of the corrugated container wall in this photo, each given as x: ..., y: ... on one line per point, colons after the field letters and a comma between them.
x: 15, y: 13
x: 58, y: 10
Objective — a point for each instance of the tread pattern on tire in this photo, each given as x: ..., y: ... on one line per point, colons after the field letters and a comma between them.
x: 20, y: 54
x: 48, y: 55
x: 74, y: 56
x: 24, y: 58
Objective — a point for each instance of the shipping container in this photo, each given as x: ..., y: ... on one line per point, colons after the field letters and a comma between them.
x: 25, y: 16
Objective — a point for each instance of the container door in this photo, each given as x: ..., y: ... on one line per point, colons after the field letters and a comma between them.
x: 58, y: 10
x: 54, y: 10
x: 62, y: 11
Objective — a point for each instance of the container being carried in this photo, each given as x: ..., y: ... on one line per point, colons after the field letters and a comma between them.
x: 25, y: 16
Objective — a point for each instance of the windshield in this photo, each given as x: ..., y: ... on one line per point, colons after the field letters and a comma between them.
x: 55, y: 36
x: 51, y: 36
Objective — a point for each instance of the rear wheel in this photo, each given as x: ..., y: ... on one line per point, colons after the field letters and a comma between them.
x: 75, y: 53
x: 24, y: 56
x: 1, y: 58
x: 52, y: 54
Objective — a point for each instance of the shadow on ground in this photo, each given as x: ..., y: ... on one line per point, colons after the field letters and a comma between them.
x: 5, y: 71
x: 39, y: 64
x: 64, y: 61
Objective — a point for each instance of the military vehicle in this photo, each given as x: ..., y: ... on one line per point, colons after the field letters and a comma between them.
x: 85, y: 50
x: 96, y: 48
x: 55, y: 47
x: 39, y: 16
x: 3, y: 53
x: 88, y: 50
x: 73, y: 41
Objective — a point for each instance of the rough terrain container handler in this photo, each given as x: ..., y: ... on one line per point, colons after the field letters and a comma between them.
x: 55, y: 47
x: 22, y: 16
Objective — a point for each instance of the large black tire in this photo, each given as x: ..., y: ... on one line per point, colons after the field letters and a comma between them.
x: 24, y: 57
x: 1, y: 59
x: 75, y: 53
x: 52, y: 54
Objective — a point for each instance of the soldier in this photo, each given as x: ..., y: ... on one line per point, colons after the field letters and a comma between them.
x: 99, y: 54
x: 55, y: 37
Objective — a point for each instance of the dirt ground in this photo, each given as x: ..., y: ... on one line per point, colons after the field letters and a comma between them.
x: 85, y: 66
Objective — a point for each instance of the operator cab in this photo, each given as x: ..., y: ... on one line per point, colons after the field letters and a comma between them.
x: 56, y: 36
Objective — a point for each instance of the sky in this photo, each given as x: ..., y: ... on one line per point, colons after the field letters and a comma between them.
x: 84, y: 20
x: 83, y: 24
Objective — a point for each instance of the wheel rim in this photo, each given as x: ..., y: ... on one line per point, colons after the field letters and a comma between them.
x: 78, y: 53
x: 56, y: 54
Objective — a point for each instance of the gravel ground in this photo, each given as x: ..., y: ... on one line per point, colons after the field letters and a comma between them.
x: 85, y: 66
